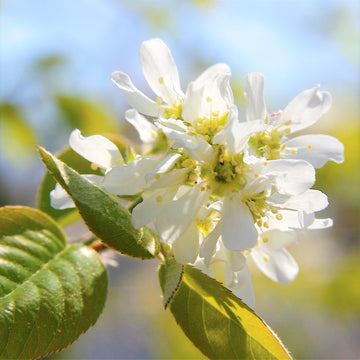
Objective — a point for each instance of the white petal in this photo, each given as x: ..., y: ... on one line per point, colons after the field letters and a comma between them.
x: 128, y: 179
x: 173, y: 124
x: 243, y: 288
x: 316, y: 149
x: 220, y: 94
x: 160, y: 71
x: 278, y: 265
x: 295, y: 176
x: 59, y: 199
x: 146, y: 130
x: 306, y: 109
x: 96, y: 149
x: 210, y: 74
x: 193, y: 103
x: 133, y: 96
x: 236, y: 260
x: 196, y: 146
x: 186, y: 248
x: 236, y: 134
x: 278, y: 239
x: 208, y: 246
x: 163, y: 166
x: 309, y: 201
x: 290, y: 219
x: 178, y: 215
x: 151, y: 206
x: 321, y: 224
x: 238, y: 231
x: 174, y: 177
x: 254, y: 88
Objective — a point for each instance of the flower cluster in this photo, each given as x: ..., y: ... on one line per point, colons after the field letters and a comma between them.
x: 225, y: 190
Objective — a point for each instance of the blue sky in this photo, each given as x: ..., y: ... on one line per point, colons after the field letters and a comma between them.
x: 285, y: 40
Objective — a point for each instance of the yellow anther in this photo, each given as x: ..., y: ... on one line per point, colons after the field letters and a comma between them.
x: 94, y: 166
x: 287, y: 131
x: 266, y: 225
x: 256, y: 176
x: 287, y: 122
x: 266, y: 258
x: 279, y: 217
x: 309, y: 146
x: 283, y: 147
x: 192, y: 177
x: 157, y: 176
x: 208, y: 99
x: 265, y: 163
x: 274, y: 211
x: 265, y: 240
x: 158, y: 199
x: 187, y: 163
x: 161, y: 80
x: 293, y: 151
x: 259, y: 223
x: 159, y: 100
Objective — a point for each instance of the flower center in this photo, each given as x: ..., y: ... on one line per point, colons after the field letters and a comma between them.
x: 226, y: 174
x: 173, y: 112
x: 208, y: 127
x: 267, y: 144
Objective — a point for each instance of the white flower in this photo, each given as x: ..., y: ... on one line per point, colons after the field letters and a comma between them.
x: 98, y: 150
x: 302, y: 112
x: 161, y: 73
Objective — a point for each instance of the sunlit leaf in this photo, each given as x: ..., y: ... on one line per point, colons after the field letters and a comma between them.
x: 85, y: 115
x: 50, y: 293
x: 216, y: 321
x: 102, y: 213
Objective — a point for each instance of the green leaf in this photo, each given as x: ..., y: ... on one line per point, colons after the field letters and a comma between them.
x: 74, y: 160
x: 50, y: 293
x: 67, y: 216
x: 170, y: 278
x: 102, y: 213
x: 218, y: 323
x: 85, y: 115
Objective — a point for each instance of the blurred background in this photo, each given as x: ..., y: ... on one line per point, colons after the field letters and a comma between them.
x: 56, y: 58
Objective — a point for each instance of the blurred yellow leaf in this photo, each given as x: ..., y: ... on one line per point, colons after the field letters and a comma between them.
x: 86, y: 116
x: 17, y: 139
